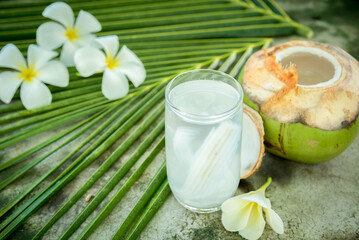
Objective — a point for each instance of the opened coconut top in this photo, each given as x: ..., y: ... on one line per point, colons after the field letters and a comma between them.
x: 304, y: 82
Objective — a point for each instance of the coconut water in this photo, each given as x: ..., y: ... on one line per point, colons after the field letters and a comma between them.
x: 312, y: 69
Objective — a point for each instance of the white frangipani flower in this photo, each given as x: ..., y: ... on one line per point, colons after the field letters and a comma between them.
x: 68, y: 33
x: 31, y: 75
x: 117, y: 65
x: 244, y: 213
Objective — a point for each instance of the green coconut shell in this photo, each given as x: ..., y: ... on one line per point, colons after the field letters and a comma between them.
x: 301, y: 143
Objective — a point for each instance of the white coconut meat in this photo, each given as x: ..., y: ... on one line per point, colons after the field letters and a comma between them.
x: 304, y: 82
x: 252, y: 142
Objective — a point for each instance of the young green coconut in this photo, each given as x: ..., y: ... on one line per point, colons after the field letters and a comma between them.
x: 308, y: 96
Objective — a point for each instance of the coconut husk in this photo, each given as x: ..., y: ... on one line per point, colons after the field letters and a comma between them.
x: 275, y: 90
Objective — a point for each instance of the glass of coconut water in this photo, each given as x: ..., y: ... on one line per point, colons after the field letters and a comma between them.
x: 203, y: 138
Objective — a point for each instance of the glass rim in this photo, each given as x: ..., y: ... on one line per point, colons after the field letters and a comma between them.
x: 193, y: 116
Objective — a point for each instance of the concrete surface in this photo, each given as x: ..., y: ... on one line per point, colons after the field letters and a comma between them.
x: 314, y: 201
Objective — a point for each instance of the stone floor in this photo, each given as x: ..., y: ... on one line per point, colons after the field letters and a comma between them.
x: 315, y: 201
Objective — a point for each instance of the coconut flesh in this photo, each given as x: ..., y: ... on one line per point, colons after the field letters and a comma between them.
x: 252, y: 142
x: 306, y: 85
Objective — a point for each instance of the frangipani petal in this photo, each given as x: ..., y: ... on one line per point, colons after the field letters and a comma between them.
x: 11, y: 57
x: 85, y: 40
x: 9, y: 81
x: 109, y: 43
x: 89, y: 60
x: 54, y: 73
x: 248, y: 221
x: 60, y: 12
x: 132, y: 66
x: 126, y: 55
x: 34, y: 94
x: 257, y: 197
x: 50, y: 35
x: 235, y: 214
x: 87, y: 23
x: 114, y: 85
x: 134, y: 71
x: 274, y: 221
x: 37, y: 57
x: 67, y: 54
x: 255, y: 226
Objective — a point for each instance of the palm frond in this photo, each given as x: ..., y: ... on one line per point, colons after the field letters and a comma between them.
x: 81, y: 129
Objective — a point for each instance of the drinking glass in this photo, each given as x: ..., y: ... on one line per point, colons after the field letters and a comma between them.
x: 203, y: 138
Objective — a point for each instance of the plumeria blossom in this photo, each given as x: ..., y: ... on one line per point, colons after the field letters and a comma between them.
x: 118, y: 66
x: 244, y: 213
x: 66, y: 32
x: 31, y: 75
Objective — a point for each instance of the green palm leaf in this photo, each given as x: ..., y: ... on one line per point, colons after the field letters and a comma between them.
x: 95, y: 134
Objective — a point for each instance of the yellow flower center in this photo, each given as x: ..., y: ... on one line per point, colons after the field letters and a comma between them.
x: 112, y: 62
x: 28, y: 74
x: 71, y: 34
